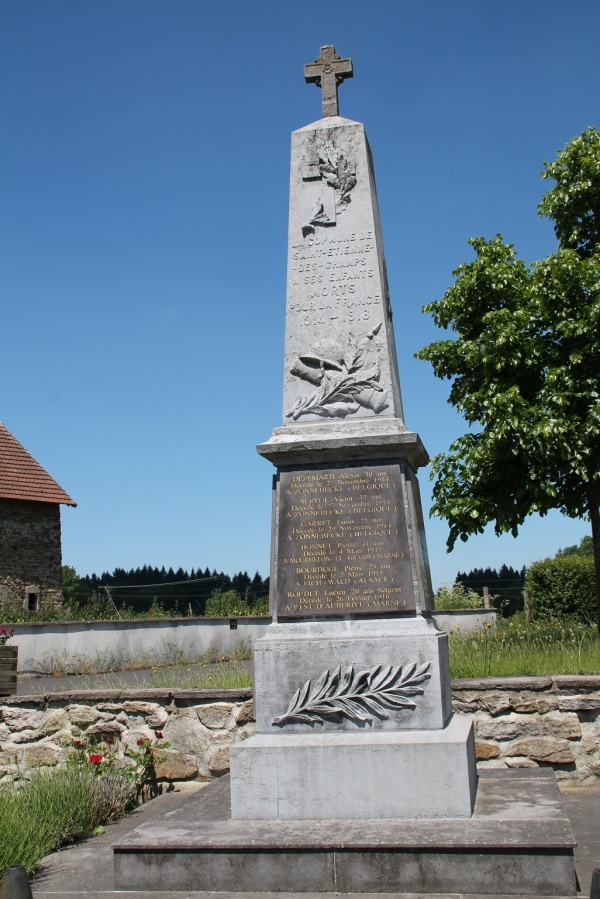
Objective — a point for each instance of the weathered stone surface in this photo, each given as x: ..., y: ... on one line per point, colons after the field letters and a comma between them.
x: 215, y: 716
x: 64, y: 738
x: 140, y: 708
x: 485, y: 750
x: 157, y: 719
x: 504, y: 684
x: 521, y: 761
x: 506, y: 727
x: 27, y: 736
x: 175, y: 766
x: 9, y: 753
x: 245, y: 713
x: 578, y: 703
x: 187, y: 735
x: 22, y: 719
x: 222, y: 738
x: 105, y: 728
x: 55, y: 720
x: 219, y: 761
x: 564, y: 725
x: 497, y: 703
x: 576, y: 683
x: 543, y: 749
x: 85, y: 714
x: 130, y: 739
x: 48, y: 754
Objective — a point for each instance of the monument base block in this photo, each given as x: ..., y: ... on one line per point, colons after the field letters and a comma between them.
x: 367, y: 775
x: 518, y: 842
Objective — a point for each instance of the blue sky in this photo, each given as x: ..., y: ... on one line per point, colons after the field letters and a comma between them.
x: 144, y: 166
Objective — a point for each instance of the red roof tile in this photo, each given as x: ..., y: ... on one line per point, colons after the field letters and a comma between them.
x: 21, y: 477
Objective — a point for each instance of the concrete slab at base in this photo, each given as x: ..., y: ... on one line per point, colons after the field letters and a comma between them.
x: 518, y: 842
x: 373, y: 774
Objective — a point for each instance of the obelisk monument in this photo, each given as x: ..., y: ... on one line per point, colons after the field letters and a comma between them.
x: 359, y: 778
x: 351, y: 681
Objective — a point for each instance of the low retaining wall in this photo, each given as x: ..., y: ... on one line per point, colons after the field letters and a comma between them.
x: 200, y: 725
x: 528, y: 722
x: 519, y: 722
x: 73, y: 647
x: 464, y: 621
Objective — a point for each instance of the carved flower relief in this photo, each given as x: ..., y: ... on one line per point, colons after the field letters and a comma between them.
x: 345, y: 380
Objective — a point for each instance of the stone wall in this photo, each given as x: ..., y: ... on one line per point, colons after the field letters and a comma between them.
x: 528, y: 722
x: 30, y: 551
x: 200, y: 725
x: 519, y: 722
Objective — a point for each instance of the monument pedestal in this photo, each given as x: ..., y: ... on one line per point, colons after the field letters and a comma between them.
x: 353, y: 717
x: 356, y: 776
x: 518, y: 842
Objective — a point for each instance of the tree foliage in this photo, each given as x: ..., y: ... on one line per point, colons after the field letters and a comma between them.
x: 505, y: 585
x: 524, y: 363
x: 152, y: 590
x: 583, y: 548
x: 562, y: 587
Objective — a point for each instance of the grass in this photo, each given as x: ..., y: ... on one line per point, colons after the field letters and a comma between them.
x: 521, y: 649
x: 226, y: 676
x: 52, y: 809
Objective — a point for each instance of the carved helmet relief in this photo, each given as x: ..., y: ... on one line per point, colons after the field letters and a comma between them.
x: 345, y: 379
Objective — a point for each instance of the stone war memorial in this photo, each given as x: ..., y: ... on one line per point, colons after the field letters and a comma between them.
x: 359, y: 777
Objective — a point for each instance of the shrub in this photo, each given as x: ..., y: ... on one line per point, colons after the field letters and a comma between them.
x: 223, y: 604
x: 564, y: 586
x: 55, y: 808
x: 457, y: 596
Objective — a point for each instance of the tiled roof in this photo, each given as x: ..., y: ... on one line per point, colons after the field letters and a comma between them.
x: 21, y: 477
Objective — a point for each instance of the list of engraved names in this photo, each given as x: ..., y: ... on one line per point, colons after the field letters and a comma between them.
x: 342, y: 542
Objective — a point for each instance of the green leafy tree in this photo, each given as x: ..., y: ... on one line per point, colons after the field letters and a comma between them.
x: 71, y: 585
x: 584, y: 548
x: 525, y: 368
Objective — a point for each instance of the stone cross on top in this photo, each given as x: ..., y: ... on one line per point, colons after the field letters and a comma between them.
x: 327, y: 72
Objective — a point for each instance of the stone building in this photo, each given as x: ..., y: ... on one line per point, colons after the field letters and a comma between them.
x: 30, y: 544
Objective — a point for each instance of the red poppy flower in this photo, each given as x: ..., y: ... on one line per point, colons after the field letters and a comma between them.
x: 158, y: 734
x: 95, y: 759
x: 109, y: 740
x: 141, y: 741
x: 77, y: 744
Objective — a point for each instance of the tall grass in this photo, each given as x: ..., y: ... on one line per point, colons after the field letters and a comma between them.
x: 226, y: 676
x: 518, y: 648
x: 55, y: 808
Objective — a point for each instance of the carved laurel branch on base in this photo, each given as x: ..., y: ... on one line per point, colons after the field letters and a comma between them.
x: 358, y: 697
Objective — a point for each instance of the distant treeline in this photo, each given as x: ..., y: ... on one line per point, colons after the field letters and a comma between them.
x: 166, y: 590
x: 505, y: 585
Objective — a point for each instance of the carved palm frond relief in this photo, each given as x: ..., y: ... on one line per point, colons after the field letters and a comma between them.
x: 357, y: 697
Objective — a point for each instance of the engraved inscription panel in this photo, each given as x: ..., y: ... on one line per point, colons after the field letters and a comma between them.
x: 342, y: 542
